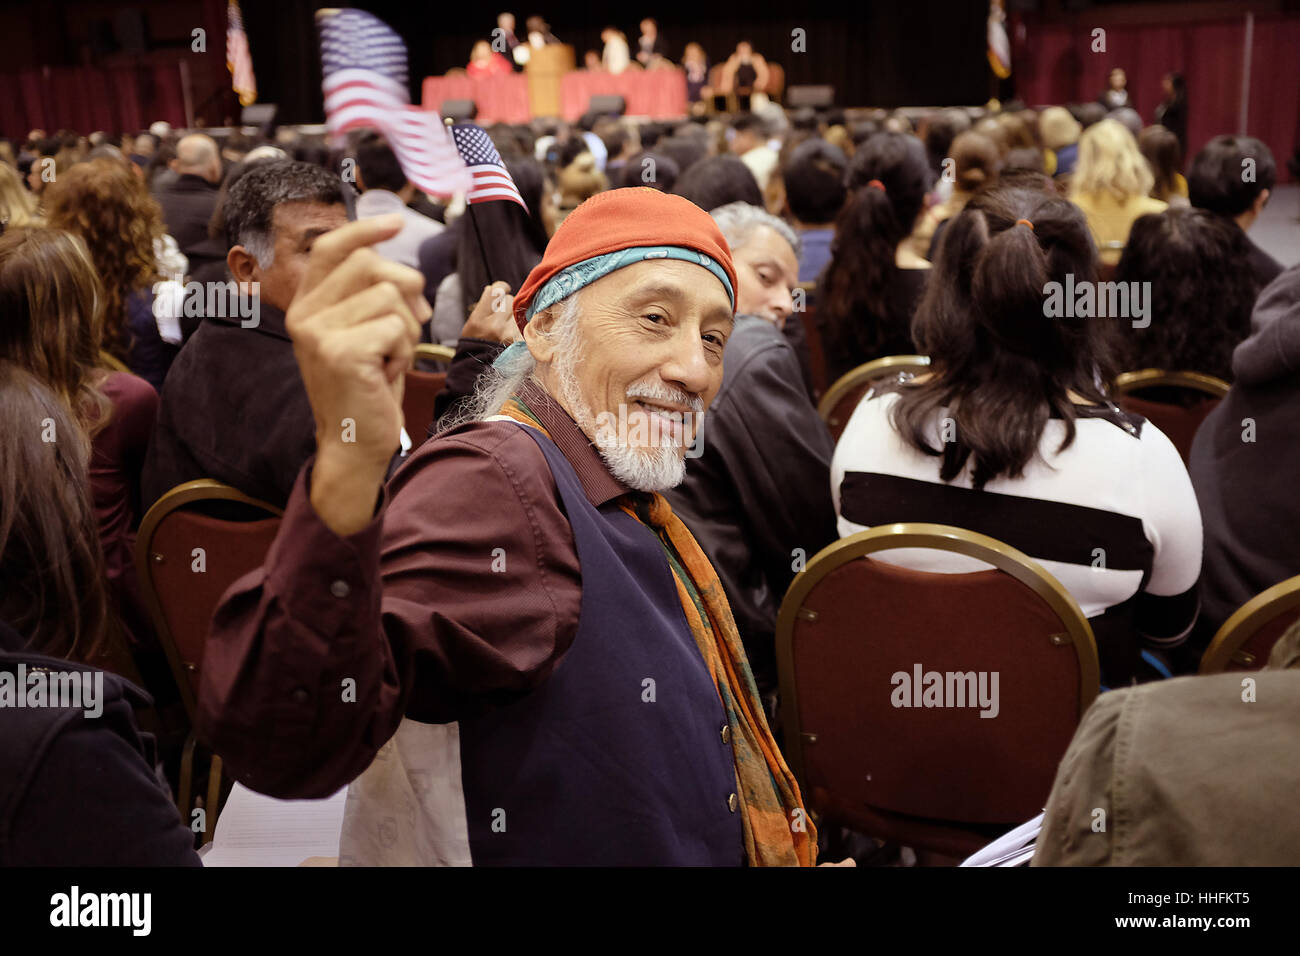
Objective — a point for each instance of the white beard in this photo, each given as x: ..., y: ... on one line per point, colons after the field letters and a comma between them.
x: 652, y: 468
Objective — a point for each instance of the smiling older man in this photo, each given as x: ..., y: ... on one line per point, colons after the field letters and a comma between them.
x: 515, y: 650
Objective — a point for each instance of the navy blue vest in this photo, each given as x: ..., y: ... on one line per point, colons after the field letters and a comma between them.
x: 618, y: 757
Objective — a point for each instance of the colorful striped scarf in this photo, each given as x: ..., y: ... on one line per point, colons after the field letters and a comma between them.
x: 777, y: 828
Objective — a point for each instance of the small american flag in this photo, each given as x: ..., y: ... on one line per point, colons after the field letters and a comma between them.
x: 491, y: 178
x: 363, y: 63
x: 238, y: 60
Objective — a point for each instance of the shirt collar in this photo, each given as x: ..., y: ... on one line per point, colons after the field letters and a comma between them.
x: 597, y: 483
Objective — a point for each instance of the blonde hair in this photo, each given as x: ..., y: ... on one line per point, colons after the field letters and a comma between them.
x: 1109, y: 161
x: 1058, y: 128
x: 17, y: 205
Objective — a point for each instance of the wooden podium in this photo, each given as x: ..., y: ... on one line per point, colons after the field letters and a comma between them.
x: 546, y: 67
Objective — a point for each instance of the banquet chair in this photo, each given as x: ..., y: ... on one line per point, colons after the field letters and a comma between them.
x: 187, y: 558
x: 421, y: 392
x: 775, y: 82
x: 837, y: 405
x: 853, y: 634
x: 1179, y: 423
x: 1244, y: 641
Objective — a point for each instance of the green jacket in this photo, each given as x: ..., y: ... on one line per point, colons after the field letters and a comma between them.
x: 1184, y: 772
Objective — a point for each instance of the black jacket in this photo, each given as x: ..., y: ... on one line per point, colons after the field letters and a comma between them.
x: 761, y: 488
x: 187, y: 205
x: 77, y: 790
x: 234, y: 408
x: 1245, y: 460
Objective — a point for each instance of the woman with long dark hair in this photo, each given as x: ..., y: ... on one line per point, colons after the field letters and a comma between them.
x: 870, y: 288
x: 1012, y: 434
x: 88, y: 762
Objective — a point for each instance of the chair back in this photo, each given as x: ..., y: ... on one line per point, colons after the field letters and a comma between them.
x: 187, y: 559
x: 418, y: 401
x: 876, y: 743
x: 775, y: 81
x: 837, y: 405
x: 1178, y: 422
x: 1246, y: 639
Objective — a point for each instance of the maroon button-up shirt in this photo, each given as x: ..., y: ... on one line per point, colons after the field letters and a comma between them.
x: 462, y: 593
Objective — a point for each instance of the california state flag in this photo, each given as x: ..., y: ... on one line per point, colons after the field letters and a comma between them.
x: 999, y: 44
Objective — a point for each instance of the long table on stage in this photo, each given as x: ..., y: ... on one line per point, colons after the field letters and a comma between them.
x: 658, y: 94
x: 500, y: 99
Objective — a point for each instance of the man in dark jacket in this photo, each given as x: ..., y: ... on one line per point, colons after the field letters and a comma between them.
x: 234, y: 407
x: 188, y: 202
x: 1244, y: 463
x: 758, y: 496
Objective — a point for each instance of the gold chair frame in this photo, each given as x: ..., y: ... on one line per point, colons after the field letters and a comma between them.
x: 867, y: 372
x: 1226, y: 646
x: 1128, y: 382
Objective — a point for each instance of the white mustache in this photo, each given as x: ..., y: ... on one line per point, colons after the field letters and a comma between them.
x: 662, y: 393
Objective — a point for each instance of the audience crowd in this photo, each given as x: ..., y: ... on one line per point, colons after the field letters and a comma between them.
x: 157, y: 300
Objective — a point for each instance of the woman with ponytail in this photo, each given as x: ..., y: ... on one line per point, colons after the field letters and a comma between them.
x: 868, y: 292
x: 1012, y: 435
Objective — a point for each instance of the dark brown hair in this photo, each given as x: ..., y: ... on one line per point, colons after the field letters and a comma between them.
x: 52, y: 568
x: 1002, y: 367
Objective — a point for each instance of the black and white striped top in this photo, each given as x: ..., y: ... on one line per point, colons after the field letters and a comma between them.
x: 1113, y: 518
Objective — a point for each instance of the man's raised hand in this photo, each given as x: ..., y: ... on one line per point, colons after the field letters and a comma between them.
x: 355, y: 321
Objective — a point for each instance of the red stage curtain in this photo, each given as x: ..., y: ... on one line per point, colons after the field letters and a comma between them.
x: 1055, y: 64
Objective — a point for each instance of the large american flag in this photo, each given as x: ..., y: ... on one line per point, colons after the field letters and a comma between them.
x: 491, y: 178
x: 364, y: 67
x: 238, y: 60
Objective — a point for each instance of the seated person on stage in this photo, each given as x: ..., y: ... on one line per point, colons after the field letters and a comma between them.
x: 1201, y: 293
x: 236, y: 409
x: 384, y: 189
x: 485, y: 62
x: 1011, y: 436
x: 744, y: 74
x: 868, y: 292
x: 757, y: 492
x: 88, y: 763
x: 1216, y: 183
x: 1245, y: 460
x: 546, y: 669
x: 1196, y: 771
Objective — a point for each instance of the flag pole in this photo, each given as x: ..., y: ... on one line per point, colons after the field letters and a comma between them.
x: 469, y: 211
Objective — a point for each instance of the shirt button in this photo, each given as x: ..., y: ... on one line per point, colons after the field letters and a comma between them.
x: 726, y: 733
x: 340, y: 589
x: 300, y: 696
x: 732, y: 803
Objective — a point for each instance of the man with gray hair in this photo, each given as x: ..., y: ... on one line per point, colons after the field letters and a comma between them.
x: 189, y: 200
x: 758, y: 497
x: 235, y: 408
